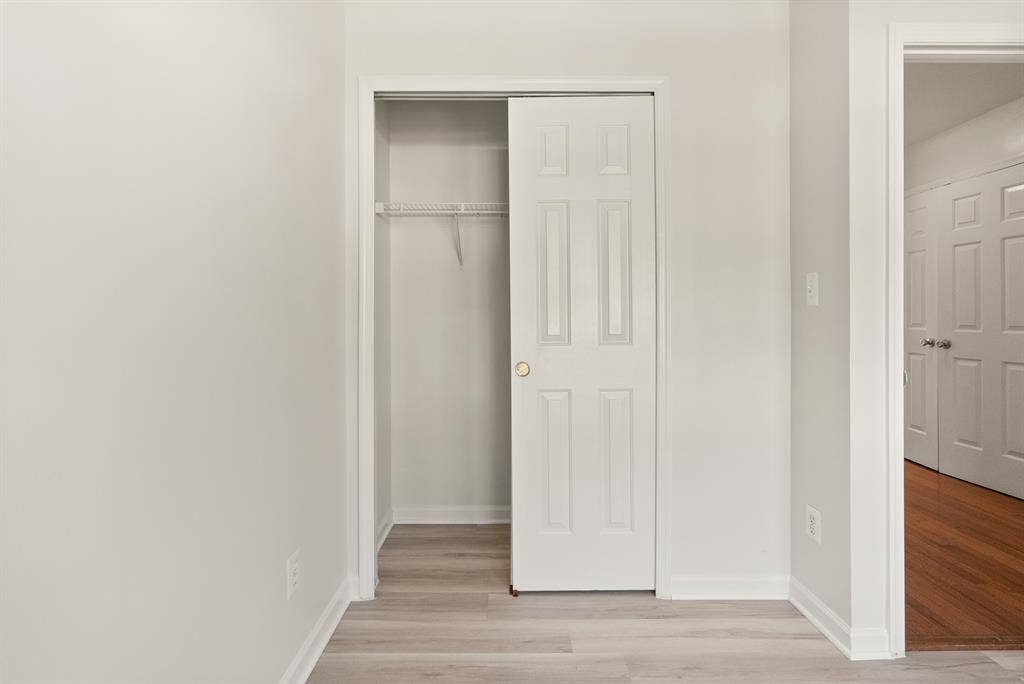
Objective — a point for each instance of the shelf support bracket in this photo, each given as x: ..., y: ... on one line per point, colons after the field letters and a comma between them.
x: 458, y: 238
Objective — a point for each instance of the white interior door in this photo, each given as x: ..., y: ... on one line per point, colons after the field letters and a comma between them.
x: 581, y: 196
x: 981, y: 317
x: 920, y: 317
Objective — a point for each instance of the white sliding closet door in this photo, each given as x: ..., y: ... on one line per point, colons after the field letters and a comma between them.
x: 582, y: 271
x: 981, y: 321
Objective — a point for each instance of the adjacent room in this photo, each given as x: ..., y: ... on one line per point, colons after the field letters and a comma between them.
x: 964, y: 242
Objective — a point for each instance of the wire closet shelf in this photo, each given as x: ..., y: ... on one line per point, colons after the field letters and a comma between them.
x: 454, y: 209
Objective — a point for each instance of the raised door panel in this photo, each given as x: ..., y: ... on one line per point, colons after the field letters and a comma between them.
x: 967, y: 403
x: 918, y: 389
x: 967, y: 211
x: 613, y: 149
x: 920, y: 275
x: 1013, y: 284
x: 967, y: 286
x: 556, y: 442
x: 615, y: 294
x: 917, y: 289
x: 553, y: 258
x: 616, y: 441
x: 1013, y: 202
x: 553, y: 150
x: 1013, y: 411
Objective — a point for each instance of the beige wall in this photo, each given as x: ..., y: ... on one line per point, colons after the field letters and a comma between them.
x: 170, y: 357
x: 819, y: 243
x: 728, y: 248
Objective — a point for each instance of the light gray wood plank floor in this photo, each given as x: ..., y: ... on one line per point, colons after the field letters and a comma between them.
x: 443, y: 614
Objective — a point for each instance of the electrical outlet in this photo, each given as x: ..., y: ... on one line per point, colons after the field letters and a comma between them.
x: 291, y: 574
x: 811, y: 287
x: 812, y: 523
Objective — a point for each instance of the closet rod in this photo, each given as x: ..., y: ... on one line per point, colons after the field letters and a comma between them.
x: 480, y: 209
x: 455, y: 210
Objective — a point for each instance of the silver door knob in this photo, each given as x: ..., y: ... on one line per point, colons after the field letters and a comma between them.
x: 943, y: 344
x: 522, y: 369
x: 927, y: 341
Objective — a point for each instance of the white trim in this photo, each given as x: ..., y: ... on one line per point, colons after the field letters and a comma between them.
x: 313, y: 647
x: 820, y: 615
x: 363, y: 546
x: 730, y: 587
x: 366, y: 552
x: 871, y: 644
x: 895, y: 590
x: 951, y: 42
x: 451, y: 515
x: 964, y: 175
x: 948, y: 55
x: 664, y: 471
x: 384, y: 528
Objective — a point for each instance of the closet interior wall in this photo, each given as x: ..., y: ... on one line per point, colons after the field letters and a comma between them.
x: 382, y: 328
x: 442, y: 330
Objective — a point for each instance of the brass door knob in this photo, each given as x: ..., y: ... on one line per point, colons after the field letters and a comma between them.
x: 522, y: 369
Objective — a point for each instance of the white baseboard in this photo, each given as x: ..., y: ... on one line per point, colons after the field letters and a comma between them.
x: 855, y: 644
x: 309, y: 653
x: 730, y: 587
x: 820, y: 615
x: 870, y: 644
x: 384, y: 528
x: 451, y: 515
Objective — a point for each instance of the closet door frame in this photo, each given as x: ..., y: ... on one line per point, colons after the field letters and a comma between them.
x: 362, y: 540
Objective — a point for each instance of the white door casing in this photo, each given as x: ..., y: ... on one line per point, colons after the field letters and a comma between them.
x: 583, y: 308
x: 955, y: 42
x: 921, y: 317
x: 981, y: 313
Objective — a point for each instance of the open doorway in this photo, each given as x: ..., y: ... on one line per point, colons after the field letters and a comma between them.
x: 963, y: 246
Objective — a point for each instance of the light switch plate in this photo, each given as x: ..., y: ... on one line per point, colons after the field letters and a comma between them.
x: 811, y: 287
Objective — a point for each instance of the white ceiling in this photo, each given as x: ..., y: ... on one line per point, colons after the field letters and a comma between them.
x: 940, y: 96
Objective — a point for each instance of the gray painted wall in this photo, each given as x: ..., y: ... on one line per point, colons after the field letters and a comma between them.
x: 170, y: 354
x: 819, y: 242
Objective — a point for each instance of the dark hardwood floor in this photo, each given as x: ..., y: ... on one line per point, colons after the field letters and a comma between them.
x: 965, y: 564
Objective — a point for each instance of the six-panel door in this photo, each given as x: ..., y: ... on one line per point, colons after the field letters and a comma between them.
x: 981, y: 313
x: 581, y: 195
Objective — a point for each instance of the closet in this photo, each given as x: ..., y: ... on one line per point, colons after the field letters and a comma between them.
x: 442, y: 311
x: 515, y: 325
